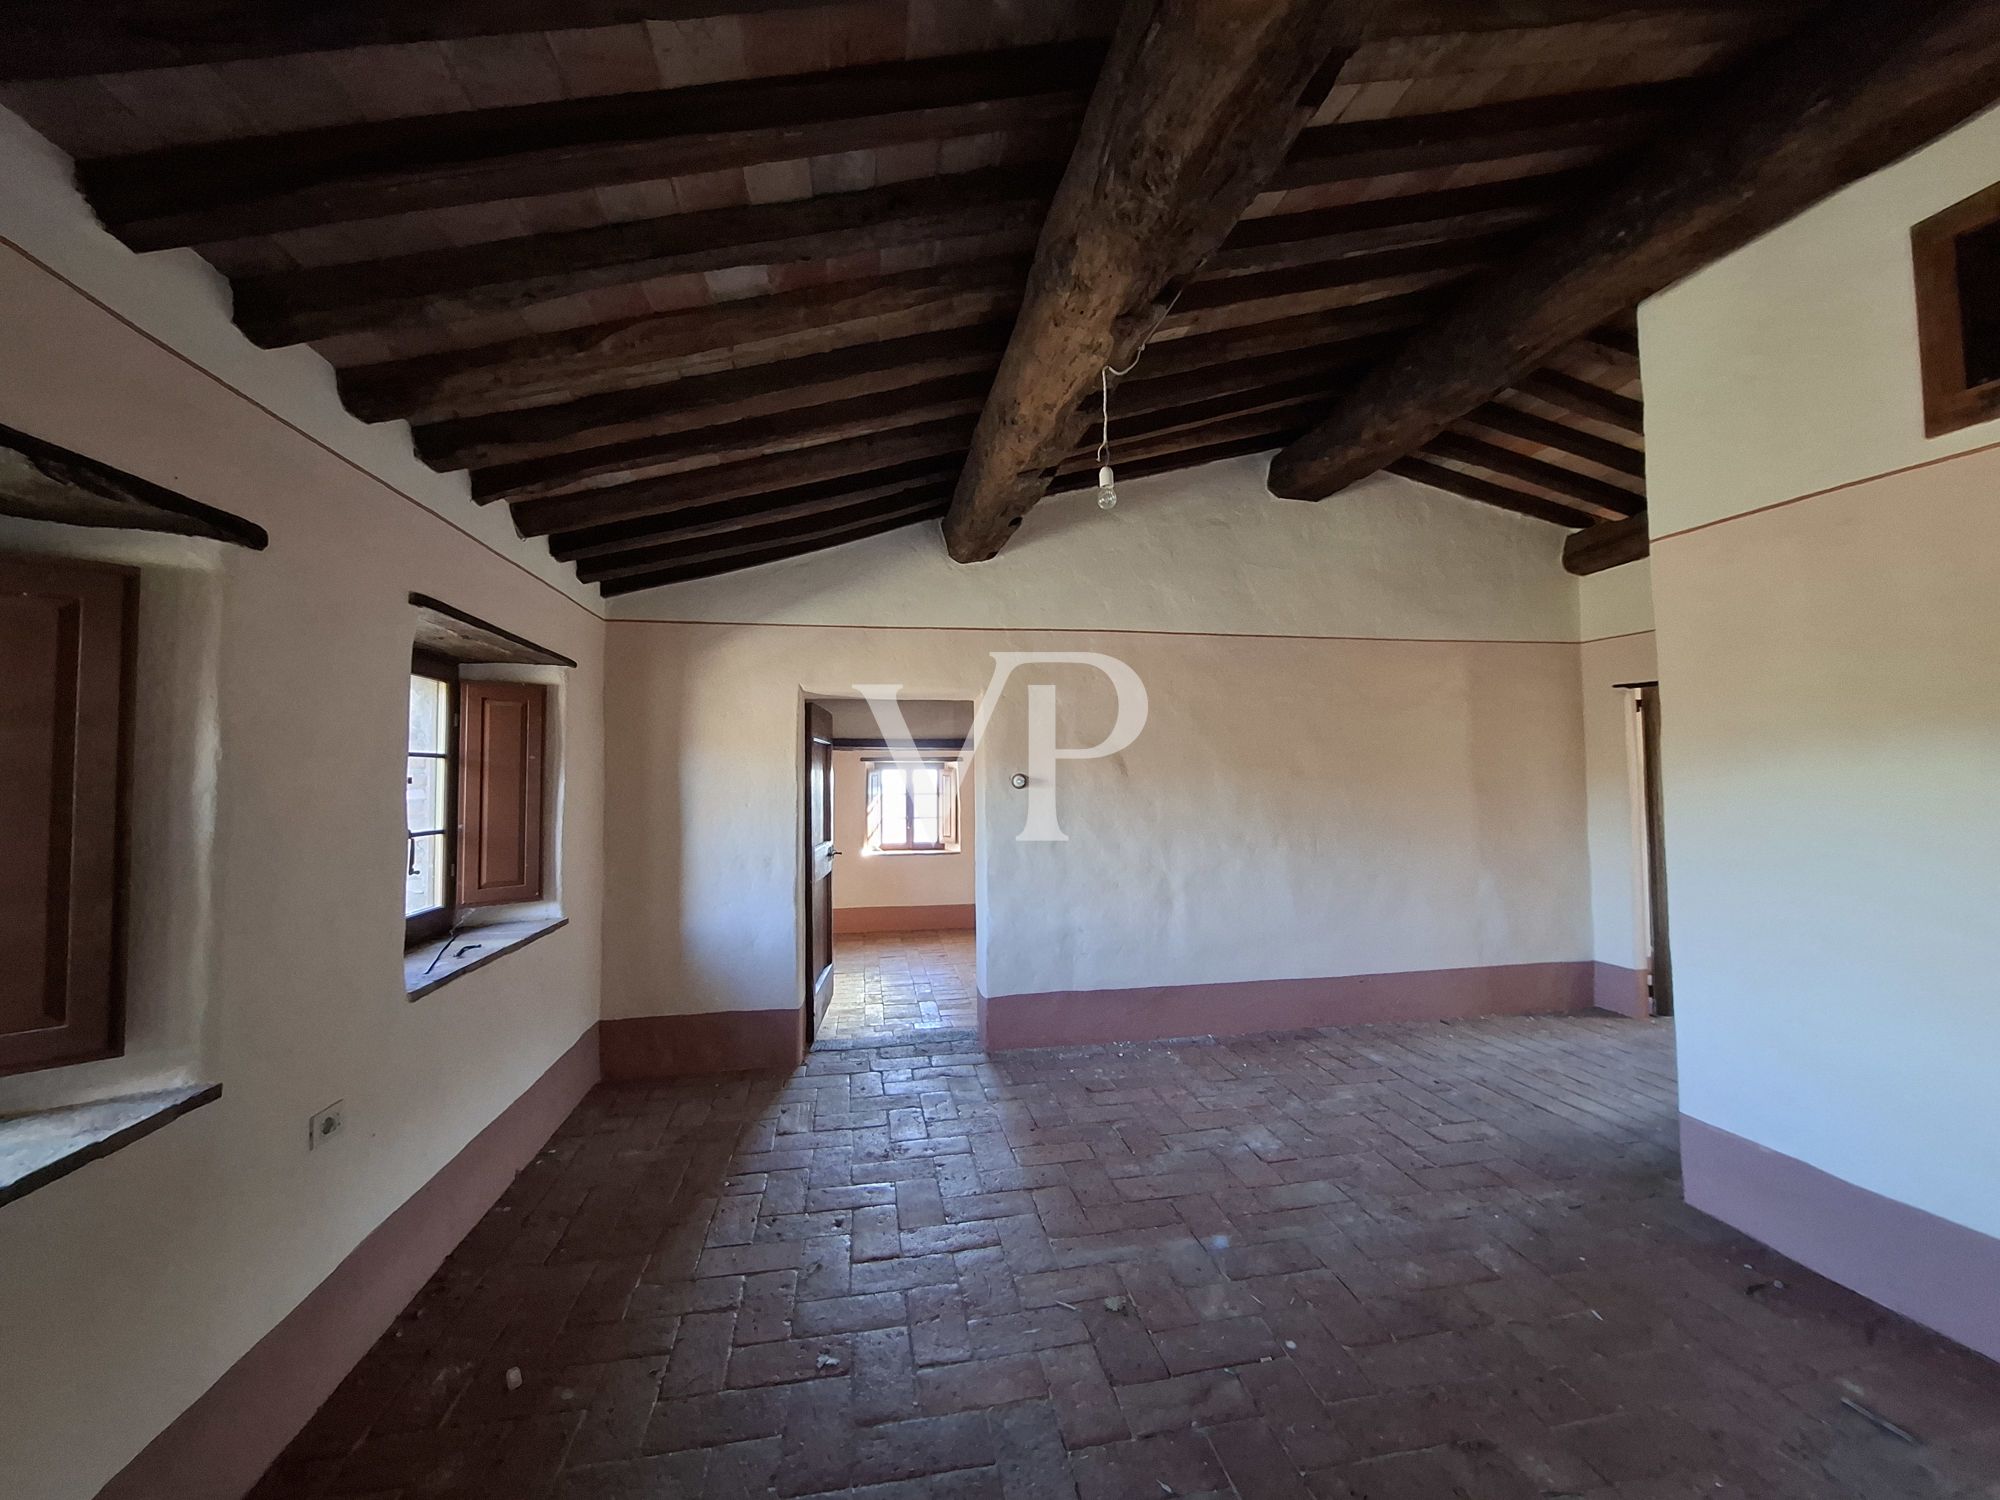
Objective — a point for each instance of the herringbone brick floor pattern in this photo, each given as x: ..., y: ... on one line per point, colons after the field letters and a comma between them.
x: 898, y: 986
x: 1408, y: 1262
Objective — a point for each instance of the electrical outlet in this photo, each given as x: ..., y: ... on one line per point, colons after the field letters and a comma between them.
x: 327, y: 1124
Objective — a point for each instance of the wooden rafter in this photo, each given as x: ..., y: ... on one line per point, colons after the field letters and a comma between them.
x: 1859, y: 87
x: 613, y: 538
x: 679, y: 492
x: 1196, y: 105
x: 1489, y: 492
x: 187, y: 195
x: 1585, y: 399
x: 1278, y: 240
x: 642, y: 351
x: 1599, y: 119
x: 1595, y: 497
x: 56, y: 38
x: 440, y: 286
x: 695, y: 401
x: 728, y: 442
x: 1528, y: 428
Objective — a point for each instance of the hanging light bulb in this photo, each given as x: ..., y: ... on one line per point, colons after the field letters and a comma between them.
x: 1107, y: 488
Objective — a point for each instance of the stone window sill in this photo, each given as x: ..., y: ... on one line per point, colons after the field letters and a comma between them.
x: 46, y: 1144
x: 472, y: 948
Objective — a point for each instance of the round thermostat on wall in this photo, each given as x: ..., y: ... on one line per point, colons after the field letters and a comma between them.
x: 1020, y: 781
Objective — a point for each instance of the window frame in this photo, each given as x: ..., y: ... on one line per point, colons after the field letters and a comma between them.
x: 430, y: 925
x: 1951, y: 401
x: 89, y: 854
x: 948, y: 843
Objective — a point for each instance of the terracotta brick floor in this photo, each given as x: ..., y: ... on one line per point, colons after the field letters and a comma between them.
x: 1401, y: 1263
x: 901, y: 986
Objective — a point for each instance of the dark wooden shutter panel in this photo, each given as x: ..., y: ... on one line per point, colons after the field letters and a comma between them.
x: 500, y: 731
x: 66, y: 638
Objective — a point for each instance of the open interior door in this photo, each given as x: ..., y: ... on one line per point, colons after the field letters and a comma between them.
x: 817, y: 800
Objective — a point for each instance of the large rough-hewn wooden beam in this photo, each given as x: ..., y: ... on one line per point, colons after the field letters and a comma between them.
x: 1195, y: 108
x: 1859, y: 87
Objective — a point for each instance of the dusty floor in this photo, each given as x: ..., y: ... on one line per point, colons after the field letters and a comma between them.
x: 901, y: 987
x: 1400, y: 1263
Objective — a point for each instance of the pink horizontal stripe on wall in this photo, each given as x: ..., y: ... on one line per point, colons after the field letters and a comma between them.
x: 1072, y: 1017
x: 848, y: 919
x: 1620, y: 990
x: 1942, y: 1274
x: 716, y: 1041
x: 219, y: 1446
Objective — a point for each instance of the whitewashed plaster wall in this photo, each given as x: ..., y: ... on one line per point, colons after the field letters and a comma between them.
x: 1832, y: 671
x: 1616, y: 609
x: 1363, y: 754
x: 267, y: 922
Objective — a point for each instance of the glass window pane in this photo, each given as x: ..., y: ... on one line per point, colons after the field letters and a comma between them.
x: 423, y: 885
x: 925, y: 833
x: 895, y: 810
x: 424, y: 794
x: 429, y: 715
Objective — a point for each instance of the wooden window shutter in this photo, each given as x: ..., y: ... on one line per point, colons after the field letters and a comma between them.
x: 500, y: 731
x: 66, y: 642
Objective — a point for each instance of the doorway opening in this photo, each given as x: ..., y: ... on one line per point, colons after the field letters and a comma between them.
x: 1649, y: 844
x: 890, y: 909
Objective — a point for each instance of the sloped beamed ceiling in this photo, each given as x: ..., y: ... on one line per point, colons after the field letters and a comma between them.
x: 694, y: 287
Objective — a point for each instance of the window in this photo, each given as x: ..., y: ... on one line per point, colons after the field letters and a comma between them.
x: 912, y: 807
x: 429, y: 900
x: 1957, y: 255
x: 67, y: 635
x: 473, y: 795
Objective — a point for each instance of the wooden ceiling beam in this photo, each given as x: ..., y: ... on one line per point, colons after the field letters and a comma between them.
x: 59, y: 39
x: 1361, y: 327
x: 1585, y: 399
x: 728, y: 442
x: 1860, y: 86
x: 761, y: 528
x: 1272, y: 242
x: 1587, y: 446
x: 695, y: 401
x: 1196, y: 105
x: 1608, y: 544
x: 1136, y: 397
x: 1265, y: 424
x: 680, y: 492
x: 442, y: 286
x: 1461, y: 253
x: 1169, y: 462
x: 1131, y: 428
x: 1597, y: 497
x: 188, y: 195
x: 732, y: 559
x: 1595, y: 119
x: 552, y: 367
x: 1489, y: 492
x: 616, y: 537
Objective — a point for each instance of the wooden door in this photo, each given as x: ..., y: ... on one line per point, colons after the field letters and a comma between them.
x: 817, y: 800
x: 1661, y: 969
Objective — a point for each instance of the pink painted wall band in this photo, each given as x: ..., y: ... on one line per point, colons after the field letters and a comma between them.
x: 1941, y: 1274
x: 219, y: 1446
x: 1073, y: 1017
